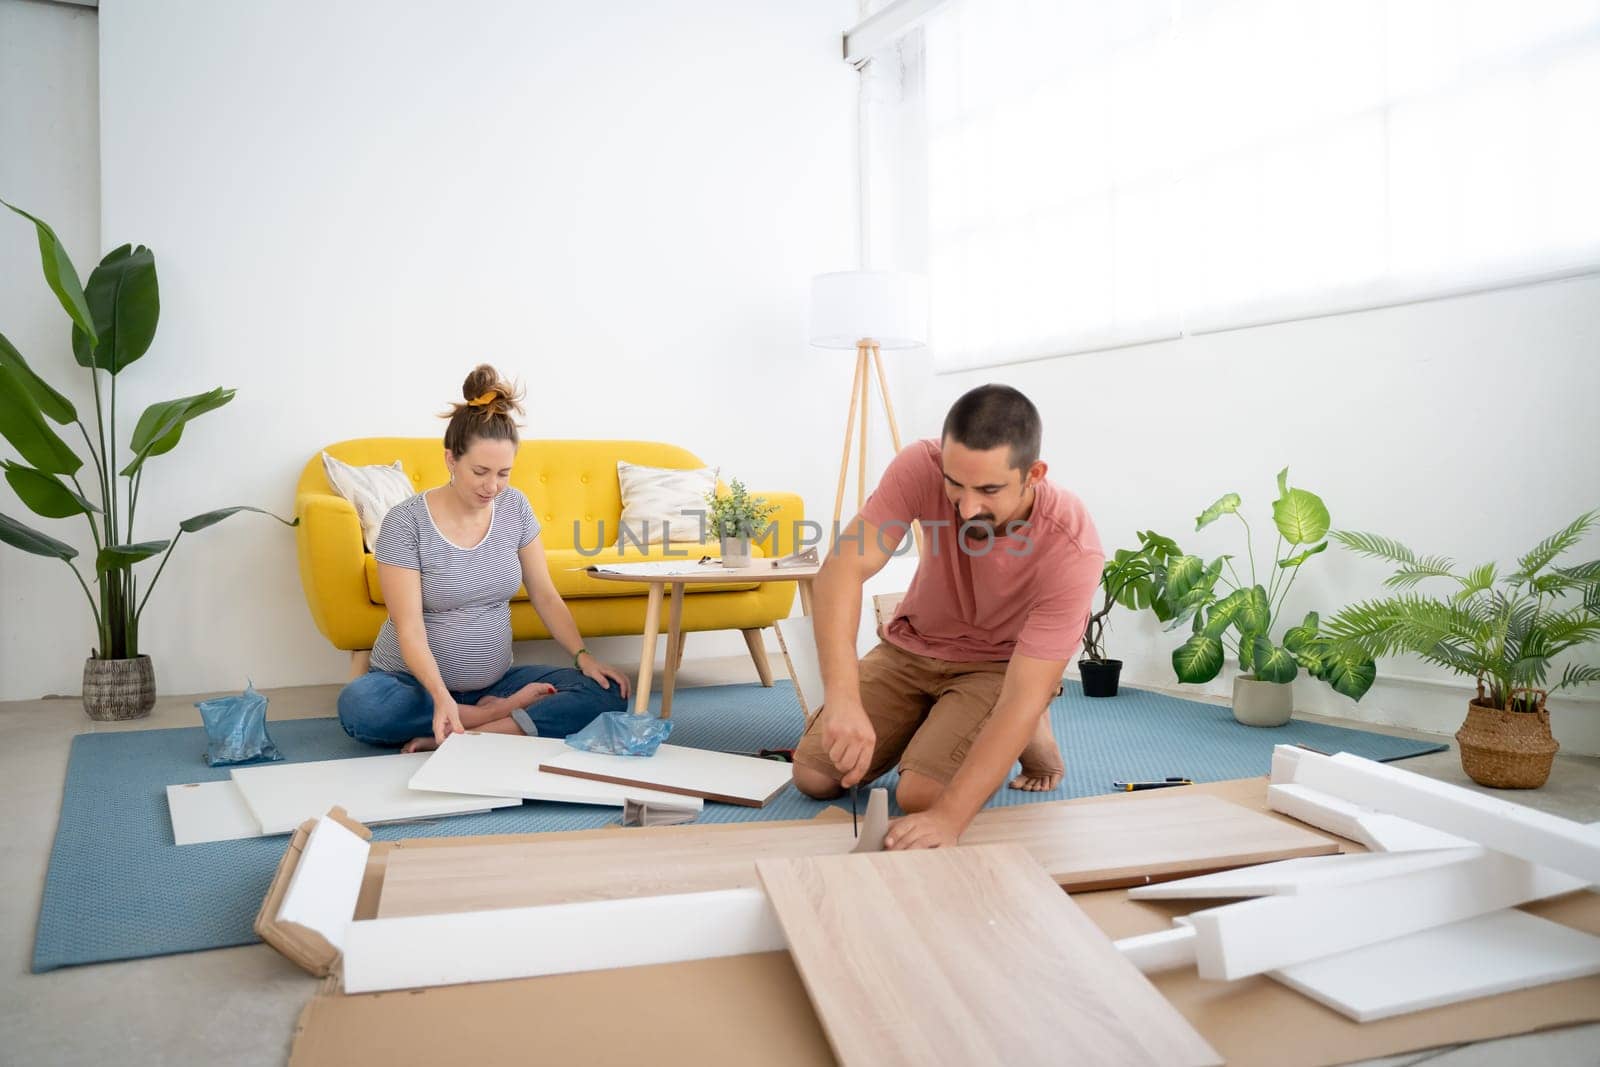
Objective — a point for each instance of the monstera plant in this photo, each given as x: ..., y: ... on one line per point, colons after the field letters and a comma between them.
x: 113, y: 324
x: 1230, y: 608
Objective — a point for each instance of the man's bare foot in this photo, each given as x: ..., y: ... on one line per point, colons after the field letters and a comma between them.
x: 420, y: 744
x: 1042, y: 768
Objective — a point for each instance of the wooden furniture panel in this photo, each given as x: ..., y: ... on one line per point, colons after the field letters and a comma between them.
x: 965, y: 955
x: 1132, y: 839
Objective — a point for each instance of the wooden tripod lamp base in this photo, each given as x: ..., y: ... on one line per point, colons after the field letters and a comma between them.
x: 860, y: 398
x: 866, y: 310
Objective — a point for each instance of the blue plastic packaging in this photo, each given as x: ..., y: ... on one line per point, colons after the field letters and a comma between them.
x: 236, y: 729
x: 622, y: 733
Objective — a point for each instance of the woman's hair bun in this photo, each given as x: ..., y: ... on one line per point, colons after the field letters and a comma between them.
x: 488, y: 404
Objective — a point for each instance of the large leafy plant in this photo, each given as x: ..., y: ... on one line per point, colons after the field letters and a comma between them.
x: 1129, y: 579
x: 1230, y: 614
x: 1502, y: 630
x: 113, y: 324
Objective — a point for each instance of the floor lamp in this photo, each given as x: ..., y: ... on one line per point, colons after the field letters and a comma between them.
x: 868, y: 311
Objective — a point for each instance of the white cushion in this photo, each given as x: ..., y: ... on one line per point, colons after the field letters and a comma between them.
x: 373, y: 491
x: 662, y: 505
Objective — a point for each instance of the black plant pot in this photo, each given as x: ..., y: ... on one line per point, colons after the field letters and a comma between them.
x: 1099, y: 676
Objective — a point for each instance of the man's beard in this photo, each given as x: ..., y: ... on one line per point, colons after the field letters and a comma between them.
x: 978, y: 528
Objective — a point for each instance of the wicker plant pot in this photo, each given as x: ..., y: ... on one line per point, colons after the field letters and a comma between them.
x: 1507, y: 749
x: 118, y: 688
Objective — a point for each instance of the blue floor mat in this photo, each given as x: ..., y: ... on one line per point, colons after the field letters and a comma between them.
x: 118, y: 888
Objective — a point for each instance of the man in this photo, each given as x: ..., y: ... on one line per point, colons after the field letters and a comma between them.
x: 958, y: 690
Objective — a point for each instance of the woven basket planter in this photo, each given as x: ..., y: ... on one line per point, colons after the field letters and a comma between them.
x: 1507, y: 749
x: 116, y: 689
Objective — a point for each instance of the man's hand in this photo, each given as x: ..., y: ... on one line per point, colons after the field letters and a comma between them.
x: 446, y: 718
x: 849, y: 739
x: 925, y: 829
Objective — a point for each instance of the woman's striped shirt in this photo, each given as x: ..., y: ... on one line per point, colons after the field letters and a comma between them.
x: 466, y: 592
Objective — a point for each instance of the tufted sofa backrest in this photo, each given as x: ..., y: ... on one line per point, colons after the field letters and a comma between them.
x: 572, y: 485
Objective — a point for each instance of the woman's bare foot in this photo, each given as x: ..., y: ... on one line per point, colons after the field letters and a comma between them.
x: 1042, y: 768
x: 420, y: 744
x: 527, y: 696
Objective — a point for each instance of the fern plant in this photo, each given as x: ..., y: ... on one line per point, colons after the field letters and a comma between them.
x: 1502, y: 630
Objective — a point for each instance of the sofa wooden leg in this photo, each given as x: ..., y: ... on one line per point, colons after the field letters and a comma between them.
x: 682, y: 639
x: 758, y: 652
x: 360, y: 662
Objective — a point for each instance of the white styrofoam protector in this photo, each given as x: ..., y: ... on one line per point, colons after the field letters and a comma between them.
x: 1495, y: 953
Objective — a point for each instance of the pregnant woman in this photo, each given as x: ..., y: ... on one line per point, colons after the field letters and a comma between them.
x: 449, y: 561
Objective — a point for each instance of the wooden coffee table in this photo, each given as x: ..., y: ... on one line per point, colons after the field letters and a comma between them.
x: 678, y: 575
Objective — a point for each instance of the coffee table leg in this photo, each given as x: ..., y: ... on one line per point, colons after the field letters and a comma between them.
x: 805, y: 596
x: 674, y: 648
x: 647, y: 657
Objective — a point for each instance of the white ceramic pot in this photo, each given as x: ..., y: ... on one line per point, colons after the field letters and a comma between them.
x: 736, y: 551
x: 1258, y: 703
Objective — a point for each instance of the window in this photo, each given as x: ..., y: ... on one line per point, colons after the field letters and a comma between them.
x: 1087, y: 175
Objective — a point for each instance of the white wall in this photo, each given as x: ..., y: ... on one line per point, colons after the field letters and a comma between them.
x: 351, y: 204
x: 49, y: 166
x: 1464, y: 427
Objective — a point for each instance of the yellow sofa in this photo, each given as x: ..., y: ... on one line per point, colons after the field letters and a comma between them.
x: 573, y: 488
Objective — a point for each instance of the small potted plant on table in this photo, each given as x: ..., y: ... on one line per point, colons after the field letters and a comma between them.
x: 736, y: 518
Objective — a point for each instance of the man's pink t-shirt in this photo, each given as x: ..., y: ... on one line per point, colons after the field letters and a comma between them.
x: 1030, y: 593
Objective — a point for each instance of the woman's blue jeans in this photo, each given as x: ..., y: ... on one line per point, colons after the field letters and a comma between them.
x: 392, y: 707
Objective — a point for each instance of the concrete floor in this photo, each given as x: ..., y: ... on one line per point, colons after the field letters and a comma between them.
x: 239, y: 1005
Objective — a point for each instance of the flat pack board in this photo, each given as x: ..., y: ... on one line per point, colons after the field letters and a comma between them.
x: 507, y: 765
x: 324, y: 886
x: 1138, y: 838
x: 372, y: 789
x: 300, y: 944
x: 1495, y: 953
x: 1131, y: 839
x: 557, y: 868
x: 418, y: 951
x: 209, y: 811
x: 965, y: 955
x: 695, y: 772
x: 798, y: 640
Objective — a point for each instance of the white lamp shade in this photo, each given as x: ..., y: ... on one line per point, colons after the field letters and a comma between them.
x: 850, y: 306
